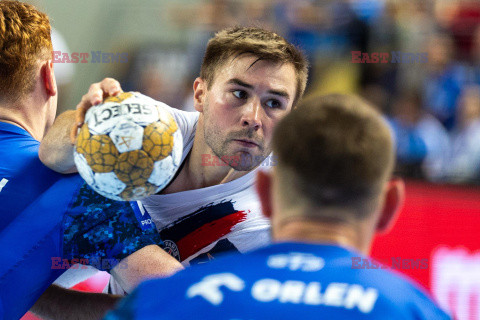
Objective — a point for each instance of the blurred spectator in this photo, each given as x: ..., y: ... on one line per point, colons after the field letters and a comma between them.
x: 259, y: 13
x: 159, y: 71
x: 383, y: 37
x: 351, y: 32
x: 463, y: 163
x: 416, y: 25
x: 465, y: 20
x: 306, y: 23
x: 475, y: 74
x: 444, y: 80
x: 421, y: 139
x: 444, y: 11
x: 368, y: 10
x: 201, y: 21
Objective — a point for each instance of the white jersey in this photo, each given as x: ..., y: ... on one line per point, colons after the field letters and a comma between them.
x: 197, y: 225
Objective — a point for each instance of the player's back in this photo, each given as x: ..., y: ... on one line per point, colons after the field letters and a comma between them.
x: 283, y: 281
x: 22, y: 176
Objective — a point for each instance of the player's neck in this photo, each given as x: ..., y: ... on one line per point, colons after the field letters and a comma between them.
x: 29, y: 113
x: 310, y: 231
x: 32, y: 112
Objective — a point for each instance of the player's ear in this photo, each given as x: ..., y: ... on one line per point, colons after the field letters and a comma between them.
x: 264, y: 189
x: 394, y: 199
x: 199, y: 91
x: 48, y: 78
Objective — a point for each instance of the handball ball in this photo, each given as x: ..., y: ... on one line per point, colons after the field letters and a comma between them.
x: 129, y: 147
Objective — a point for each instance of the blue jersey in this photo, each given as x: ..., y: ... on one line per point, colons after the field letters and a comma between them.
x: 282, y: 281
x: 22, y: 176
x: 52, y: 222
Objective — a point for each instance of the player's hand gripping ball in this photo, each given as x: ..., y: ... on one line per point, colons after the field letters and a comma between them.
x: 129, y: 147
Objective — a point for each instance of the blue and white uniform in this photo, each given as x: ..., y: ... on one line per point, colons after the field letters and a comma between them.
x: 282, y: 281
x: 48, y: 222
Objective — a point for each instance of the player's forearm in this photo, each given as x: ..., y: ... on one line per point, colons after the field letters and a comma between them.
x: 59, y: 303
x: 149, y: 262
x: 56, y: 150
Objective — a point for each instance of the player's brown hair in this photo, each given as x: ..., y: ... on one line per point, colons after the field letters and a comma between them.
x: 264, y: 44
x: 24, y: 40
x: 334, y: 151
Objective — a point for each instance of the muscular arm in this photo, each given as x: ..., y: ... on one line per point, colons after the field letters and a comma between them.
x: 59, y: 303
x: 56, y: 150
x: 149, y: 262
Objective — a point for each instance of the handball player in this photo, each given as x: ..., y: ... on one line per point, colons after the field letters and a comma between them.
x: 49, y: 222
x: 330, y: 192
x: 250, y: 78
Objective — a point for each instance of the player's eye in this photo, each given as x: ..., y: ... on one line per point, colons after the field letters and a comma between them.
x: 240, y: 94
x: 273, y: 104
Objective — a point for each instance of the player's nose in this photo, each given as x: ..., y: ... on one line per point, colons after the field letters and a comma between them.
x: 252, y: 114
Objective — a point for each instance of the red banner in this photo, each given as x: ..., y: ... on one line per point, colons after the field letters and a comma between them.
x: 441, y: 224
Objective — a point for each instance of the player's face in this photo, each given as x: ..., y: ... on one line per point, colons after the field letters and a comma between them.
x: 247, y: 98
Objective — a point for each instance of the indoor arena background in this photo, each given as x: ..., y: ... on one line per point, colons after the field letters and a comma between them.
x: 428, y: 86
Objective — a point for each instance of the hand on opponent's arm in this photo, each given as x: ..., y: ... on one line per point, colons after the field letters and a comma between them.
x: 56, y: 148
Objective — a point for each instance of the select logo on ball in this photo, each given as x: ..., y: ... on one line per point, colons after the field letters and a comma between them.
x: 129, y: 147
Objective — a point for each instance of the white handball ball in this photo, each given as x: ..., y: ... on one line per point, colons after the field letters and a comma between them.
x: 129, y: 147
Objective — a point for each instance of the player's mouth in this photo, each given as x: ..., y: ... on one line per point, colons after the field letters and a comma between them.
x: 247, y: 143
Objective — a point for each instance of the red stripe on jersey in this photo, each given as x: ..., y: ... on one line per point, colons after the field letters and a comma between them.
x: 208, y: 233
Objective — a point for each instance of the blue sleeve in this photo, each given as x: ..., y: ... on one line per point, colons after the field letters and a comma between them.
x: 101, y: 232
x: 28, y: 245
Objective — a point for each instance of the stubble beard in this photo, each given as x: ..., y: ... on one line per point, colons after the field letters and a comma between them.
x: 240, y: 161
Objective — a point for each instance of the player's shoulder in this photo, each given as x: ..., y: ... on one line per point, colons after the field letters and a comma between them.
x: 17, y: 139
x: 19, y: 154
x: 19, y: 146
x: 398, y: 292
x: 185, y: 119
x: 190, y: 117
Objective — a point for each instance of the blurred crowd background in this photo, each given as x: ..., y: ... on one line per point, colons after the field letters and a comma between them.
x: 433, y: 105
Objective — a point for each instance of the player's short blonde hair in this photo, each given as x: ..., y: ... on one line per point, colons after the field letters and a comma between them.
x: 24, y: 40
x: 264, y: 44
x: 334, y: 152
